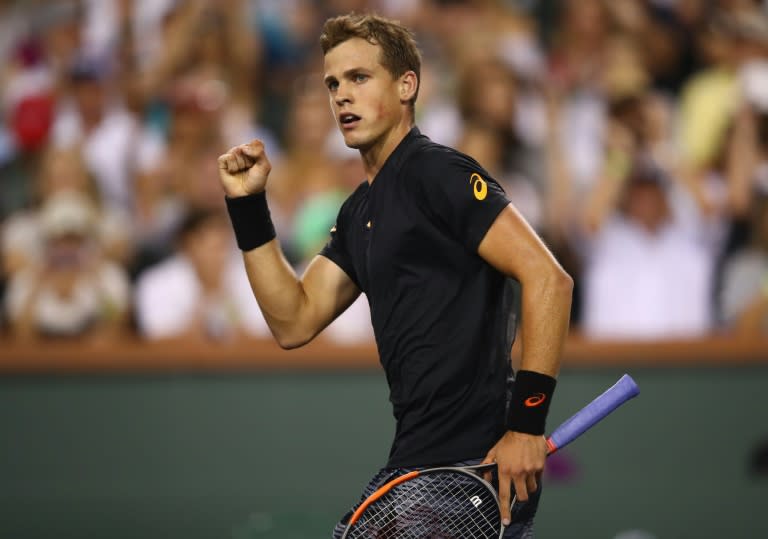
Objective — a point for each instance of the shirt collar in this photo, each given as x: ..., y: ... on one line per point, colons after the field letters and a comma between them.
x: 400, y: 153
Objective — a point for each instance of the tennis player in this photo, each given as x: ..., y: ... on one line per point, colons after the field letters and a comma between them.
x: 433, y: 242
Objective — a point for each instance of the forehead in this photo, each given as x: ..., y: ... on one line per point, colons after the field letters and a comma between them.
x: 351, y: 54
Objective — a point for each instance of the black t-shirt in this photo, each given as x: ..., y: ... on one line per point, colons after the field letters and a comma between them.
x: 441, y: 314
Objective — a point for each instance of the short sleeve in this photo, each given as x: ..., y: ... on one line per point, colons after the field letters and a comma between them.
x: 336, y: 249
x: 459, y: 194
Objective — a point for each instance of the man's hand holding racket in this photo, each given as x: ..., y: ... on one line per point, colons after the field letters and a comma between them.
x: 519, y: 459
x: 244, y: 169
x: 457, y: 501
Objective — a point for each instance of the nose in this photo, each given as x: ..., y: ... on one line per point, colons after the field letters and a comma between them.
x: 343, y: 95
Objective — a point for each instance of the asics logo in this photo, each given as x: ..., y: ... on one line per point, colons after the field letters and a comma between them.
x: 479, y: 187
x: 535, y: 400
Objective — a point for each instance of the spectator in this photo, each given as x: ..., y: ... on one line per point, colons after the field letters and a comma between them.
x: 744, y: 285
x: 201, y: 292
x: 94, y: 119
x: 62, y: 170
x: 648, y: 273
x: 73, y: 292
x: 488, y: 134
x: 130, y: 101
x: 306, y: 169
x: 745, y: 279
x: 733, y: 42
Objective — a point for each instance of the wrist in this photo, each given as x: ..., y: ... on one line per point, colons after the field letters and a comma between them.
x: 251, y: 220
x: 239, y: 192
x: 529, y: 403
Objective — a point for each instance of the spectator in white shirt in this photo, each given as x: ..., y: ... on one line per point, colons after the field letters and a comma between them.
x: 95, y: 120
x: 73, y: 291
x: 200, y: 293
x: 648, y: 272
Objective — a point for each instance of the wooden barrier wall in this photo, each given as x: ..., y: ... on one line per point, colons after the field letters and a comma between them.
x: 132, y: 356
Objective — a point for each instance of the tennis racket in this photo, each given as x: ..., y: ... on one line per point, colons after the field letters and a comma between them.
x: 456, y: 502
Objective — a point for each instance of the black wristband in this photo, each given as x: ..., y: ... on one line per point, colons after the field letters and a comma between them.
x: 529, y: 405
x: 250, y: 220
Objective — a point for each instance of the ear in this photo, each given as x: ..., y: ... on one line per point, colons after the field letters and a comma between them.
x: 409, y: 85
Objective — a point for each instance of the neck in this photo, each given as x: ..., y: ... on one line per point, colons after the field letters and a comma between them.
x: 377, y: 153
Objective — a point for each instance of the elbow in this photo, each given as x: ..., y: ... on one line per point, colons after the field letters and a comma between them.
x: 564, y: 282
x: 290, y: 344
x: 563, y: 285
x: 290, y: 340
x: 558, y: 282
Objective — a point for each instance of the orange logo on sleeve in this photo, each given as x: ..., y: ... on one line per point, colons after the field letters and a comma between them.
x: 535, y: 400
x: 479, y: 187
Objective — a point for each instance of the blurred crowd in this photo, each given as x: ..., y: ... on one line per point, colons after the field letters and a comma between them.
x: 632, y: 134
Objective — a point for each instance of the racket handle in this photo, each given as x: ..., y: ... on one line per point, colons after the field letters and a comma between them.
x: 592, y: 413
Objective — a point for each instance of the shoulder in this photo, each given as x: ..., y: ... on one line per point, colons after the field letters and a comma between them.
x: 433, y: 167
x: 432, y: 159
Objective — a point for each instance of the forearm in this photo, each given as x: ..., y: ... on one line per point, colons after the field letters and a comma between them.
x: 279, y: 292
x: 606, y: 194
x: 295, y: 309
x: 546, y: 307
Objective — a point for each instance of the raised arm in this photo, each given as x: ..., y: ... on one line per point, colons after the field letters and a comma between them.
x: 296, y: 309
x: 604, y: 198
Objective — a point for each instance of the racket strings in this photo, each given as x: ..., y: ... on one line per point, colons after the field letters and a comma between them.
x: 444, y: 505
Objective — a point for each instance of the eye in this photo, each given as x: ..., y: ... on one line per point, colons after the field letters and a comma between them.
x: 359, y: 77
x: 332, y: 85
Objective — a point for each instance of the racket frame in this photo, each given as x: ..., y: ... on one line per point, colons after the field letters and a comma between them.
x: 475, y: 471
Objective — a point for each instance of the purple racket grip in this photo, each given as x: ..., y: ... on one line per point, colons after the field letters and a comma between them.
x: 592, y: 413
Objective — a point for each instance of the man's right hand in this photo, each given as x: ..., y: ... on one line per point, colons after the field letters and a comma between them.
x: 244, y: 169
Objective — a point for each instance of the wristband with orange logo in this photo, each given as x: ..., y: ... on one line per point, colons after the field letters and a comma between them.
x: 529, y: 403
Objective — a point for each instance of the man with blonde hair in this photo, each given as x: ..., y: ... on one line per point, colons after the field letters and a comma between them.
x: 432, y: 240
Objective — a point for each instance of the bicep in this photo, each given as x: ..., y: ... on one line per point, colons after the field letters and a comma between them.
x: 328, y: 290
x: 512, y: 247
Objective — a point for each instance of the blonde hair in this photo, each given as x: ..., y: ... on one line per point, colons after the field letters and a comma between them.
x: 399, y: 52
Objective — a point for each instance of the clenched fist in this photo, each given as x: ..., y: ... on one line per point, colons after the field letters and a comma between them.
x: 243, y: 170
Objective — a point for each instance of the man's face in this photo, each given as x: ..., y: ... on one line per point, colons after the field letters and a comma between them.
x: 365, y: 98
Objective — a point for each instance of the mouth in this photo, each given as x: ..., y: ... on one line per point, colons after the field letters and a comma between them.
x: 347, y: 120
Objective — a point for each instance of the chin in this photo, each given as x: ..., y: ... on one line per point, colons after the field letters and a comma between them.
x: 355, y: 145
x: 358, y: 141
